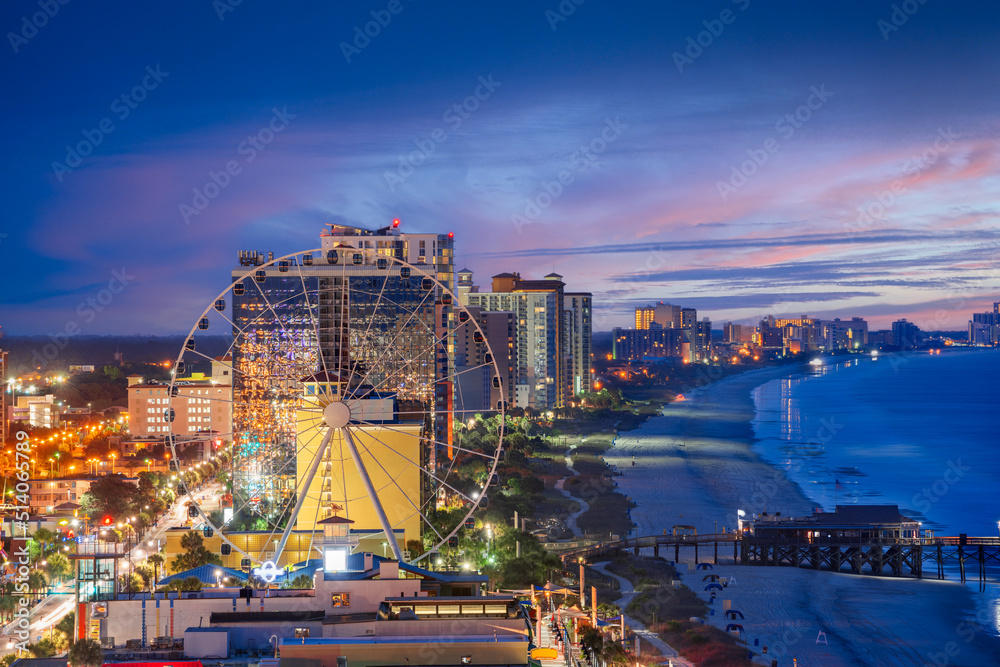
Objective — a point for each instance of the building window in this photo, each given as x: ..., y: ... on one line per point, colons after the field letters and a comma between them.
x: 301, y: 632
x: 341, y: 599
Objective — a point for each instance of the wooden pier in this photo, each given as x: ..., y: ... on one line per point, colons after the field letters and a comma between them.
x: 875, y: 556
x: 902, y: 557
x: 709, y: 544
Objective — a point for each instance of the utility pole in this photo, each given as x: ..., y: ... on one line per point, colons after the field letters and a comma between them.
x: 517, y: 546
x: 3, y: 394
x: 583, y: 597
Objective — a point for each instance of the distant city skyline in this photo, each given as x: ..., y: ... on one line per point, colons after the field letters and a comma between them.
x: 741, y: 158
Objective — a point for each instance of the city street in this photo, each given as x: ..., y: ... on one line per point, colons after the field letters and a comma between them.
x: 47, y: 613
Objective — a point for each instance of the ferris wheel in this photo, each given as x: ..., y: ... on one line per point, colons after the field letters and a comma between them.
x: 340, y: 403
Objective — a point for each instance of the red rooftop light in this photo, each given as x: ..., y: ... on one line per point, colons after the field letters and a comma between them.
x: 395, y: 222
x: 451, y: 235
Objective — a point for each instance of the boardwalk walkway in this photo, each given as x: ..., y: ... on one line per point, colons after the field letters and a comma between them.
x: 647, y: 636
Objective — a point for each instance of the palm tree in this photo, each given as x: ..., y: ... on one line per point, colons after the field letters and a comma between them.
x: 59, y: 566
x: 44, y: 537
x: 37, y: 582
x: 156, y: 560
x: 8, y: 605
x: 85, y: 653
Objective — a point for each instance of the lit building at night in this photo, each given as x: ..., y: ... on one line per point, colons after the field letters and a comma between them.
x: 553, y: 335
x: 202, y: 404
x: 664, y: 331
x: 905, y: 335
x: 350, y: 314
x: 984, y: 328
x: 389, y: 447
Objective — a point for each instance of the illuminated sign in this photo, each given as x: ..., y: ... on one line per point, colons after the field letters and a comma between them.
x: 268, y: 571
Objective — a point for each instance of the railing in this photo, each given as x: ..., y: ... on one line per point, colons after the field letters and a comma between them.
x: 654, y: 541
x: 854, y: 541
x: 98, y: 548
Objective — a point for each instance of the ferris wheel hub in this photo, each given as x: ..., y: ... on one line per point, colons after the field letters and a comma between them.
x: 337, y: 414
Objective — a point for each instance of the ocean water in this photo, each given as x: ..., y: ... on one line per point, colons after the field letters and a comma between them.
x: 920, y: 431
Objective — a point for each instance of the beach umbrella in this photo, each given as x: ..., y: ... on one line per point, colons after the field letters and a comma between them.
x: 733, y: 613
x: 705, y: 566
x: 734, y: 627
x: 713, y: 577
x: 713, y: 586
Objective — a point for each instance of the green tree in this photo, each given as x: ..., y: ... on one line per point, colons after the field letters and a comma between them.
x: 8, y: 605
x: 301, y: 582
x: 156, y: 560
x: 37, y: 582
x: 195, y: 554
x: 532, y: 567
x: 109, y: 495
x: 591, y: 639
x: 45, y: 648
x: 67, y: 624
x: 185, y: 584
x: 45, y: 539
x: 146, y: 572
x: 58, y: 566
x: 130, y: 582
x: 86, y: 653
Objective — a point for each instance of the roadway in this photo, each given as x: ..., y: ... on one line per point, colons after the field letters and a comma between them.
x: 52, y: 608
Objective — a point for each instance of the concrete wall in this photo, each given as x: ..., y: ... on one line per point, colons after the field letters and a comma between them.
x: 445, y: 627
x: 125, y: 617
x: 207, y: 644
x: 420, y: 651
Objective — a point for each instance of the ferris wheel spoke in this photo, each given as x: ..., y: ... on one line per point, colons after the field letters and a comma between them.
x: 431, y: 350
x: 398, y: 487
x: 277, y: 318
x: 313, y: 319
x: 399, y: 332
x: 385, y: 333
x: 371, y: 318
x: 484, y: 455
x: 301, y: 497
x: 284, y: 464
x: 425, y: 470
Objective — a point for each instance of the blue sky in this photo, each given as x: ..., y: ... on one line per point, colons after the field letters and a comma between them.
x: 743, y: 158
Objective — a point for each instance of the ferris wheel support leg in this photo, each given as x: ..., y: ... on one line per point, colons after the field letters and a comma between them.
x: 305, y: 491
x: 390, y: 536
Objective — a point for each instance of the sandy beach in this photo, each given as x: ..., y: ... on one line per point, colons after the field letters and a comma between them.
x: 696, y: 466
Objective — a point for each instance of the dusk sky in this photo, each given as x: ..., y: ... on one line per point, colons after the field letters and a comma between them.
x: 742, y: 157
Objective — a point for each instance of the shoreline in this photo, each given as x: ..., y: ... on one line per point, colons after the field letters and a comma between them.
x: 696, y: 465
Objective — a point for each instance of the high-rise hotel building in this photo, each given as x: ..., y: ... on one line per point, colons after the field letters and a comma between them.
x: 353, y: 316
x: 553, y: 335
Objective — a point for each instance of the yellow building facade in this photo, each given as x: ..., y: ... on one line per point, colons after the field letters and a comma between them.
x: 389, y: 450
